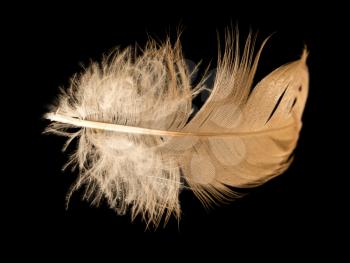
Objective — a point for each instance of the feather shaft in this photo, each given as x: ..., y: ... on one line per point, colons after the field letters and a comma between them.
x: 138, y: 130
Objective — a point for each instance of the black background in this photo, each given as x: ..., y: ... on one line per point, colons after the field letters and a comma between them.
x: 304, y: 206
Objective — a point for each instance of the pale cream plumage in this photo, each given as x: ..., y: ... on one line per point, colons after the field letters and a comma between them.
x: 136, y: 141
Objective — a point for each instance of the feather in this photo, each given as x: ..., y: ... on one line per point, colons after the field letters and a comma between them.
x: 138, y: 145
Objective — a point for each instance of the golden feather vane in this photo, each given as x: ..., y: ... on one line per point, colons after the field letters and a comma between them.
x: 137, y: 144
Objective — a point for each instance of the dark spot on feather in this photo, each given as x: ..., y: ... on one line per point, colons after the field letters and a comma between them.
x: 300, y: 88
x: 277, y: 104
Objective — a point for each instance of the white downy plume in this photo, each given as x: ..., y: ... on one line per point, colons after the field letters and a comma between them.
x: 137, y: 144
